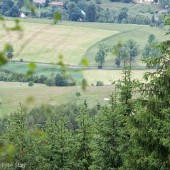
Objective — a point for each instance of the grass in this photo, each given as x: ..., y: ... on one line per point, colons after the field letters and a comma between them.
x: 12, y: 94
x: 46, y: 70
x: 74, y: 39
x: 109, y: 76
x: 92, y: 76
x: 44, y: 42
x: 137, y: 33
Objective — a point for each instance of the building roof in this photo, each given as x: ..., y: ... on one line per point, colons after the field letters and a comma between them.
x: 56, y: 3
x: 143, y: 1
x: 39, y: 1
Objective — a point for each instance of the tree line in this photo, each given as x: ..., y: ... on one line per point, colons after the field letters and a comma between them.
x: 81, y: 10
x: 128, y: 51
x: 59, y: 79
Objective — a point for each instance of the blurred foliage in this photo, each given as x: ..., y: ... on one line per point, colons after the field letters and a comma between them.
x: 56, y: 17
x: 30, y: 6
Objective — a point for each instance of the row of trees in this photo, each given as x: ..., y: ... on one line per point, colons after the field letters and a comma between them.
x: 80, y: 11
x: 129, y: 133
x: 59, y: 79
x: 162, y: 3
x: 85, y: 11
x: 128, y: 51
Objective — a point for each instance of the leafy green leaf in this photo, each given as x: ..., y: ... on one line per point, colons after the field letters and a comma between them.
x: 30, y: 6
x: 84, y: 62
x: 57, y: 17
x: 3, y: 59
x: 32, y: 66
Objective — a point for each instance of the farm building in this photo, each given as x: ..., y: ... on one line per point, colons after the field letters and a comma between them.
x: 39, y: 1
x: 144, y: 1
x: 56, y: 3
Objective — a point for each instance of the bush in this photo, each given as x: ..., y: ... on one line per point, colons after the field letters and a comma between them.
x: 78, y: 94
x: 99, y: 83
x: 50, y: 82
x: 60, y: 80
x: 30, y: 84
x: 42, y: 79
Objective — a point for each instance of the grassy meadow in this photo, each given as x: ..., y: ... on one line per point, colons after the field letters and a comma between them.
x: 137, y: 33
x: 13, y: 93
x: 109, y: 76
x: 47, y: 70
x: 43, y: 42
x: 91, y: 75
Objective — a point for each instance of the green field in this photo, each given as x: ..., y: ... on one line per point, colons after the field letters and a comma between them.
x: 137, y: 33
x: 46, y: 70
x: 91, y: 75
x: 12, y: 94
x: 109, y: 76
x: 43, y: 41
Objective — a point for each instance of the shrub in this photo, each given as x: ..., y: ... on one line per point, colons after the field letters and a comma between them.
x: 84, y: 83
x: 99, y: 83
x: 50, y: 82
x: 78, y: 94
x: 30, y: 84
x: 60, y: 80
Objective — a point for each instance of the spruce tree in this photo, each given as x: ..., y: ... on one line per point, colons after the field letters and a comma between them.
x: 60, y: 142
x: 149, y: 126
x: 107, y: 140
x: 17, y: 134
x: 83, y: 136
x: 28, y: 146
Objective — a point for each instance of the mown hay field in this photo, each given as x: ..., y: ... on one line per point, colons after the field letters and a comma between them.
x: 109, y: 76
x: 45, y: 42
x: 13, y: 94
x: 137, y: 33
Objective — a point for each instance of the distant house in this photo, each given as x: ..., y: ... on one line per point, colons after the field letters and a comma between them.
x: 144, y: 1
x: 163, y: 11
x: 56, y: 3
x: 39, y: 1
x: 22, y: 15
